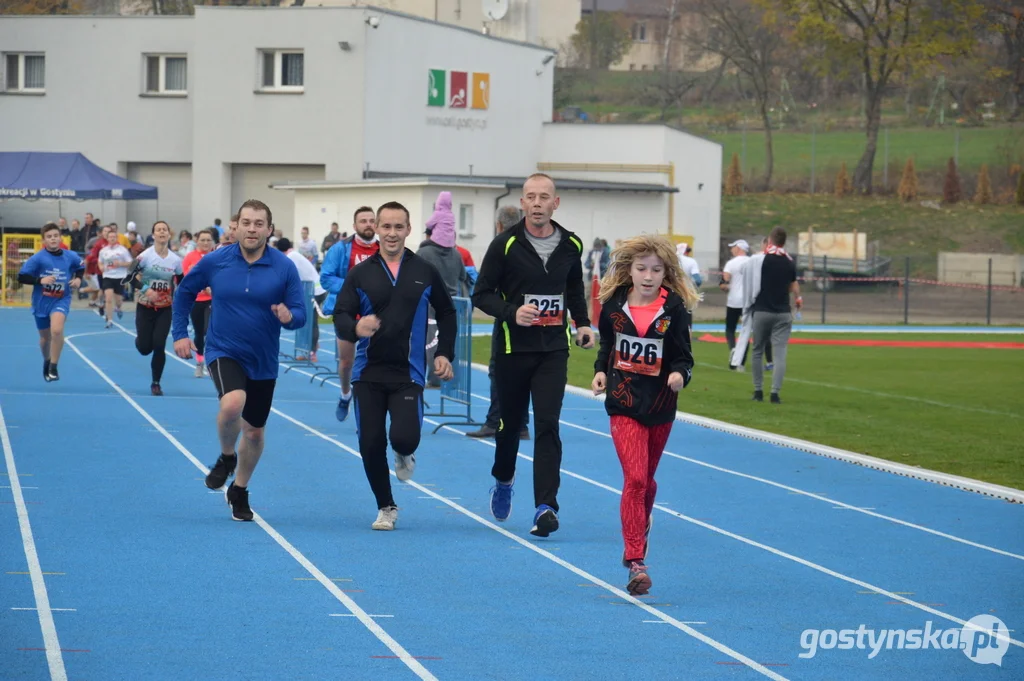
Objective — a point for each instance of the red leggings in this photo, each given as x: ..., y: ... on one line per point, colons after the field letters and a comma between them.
x: 639, y: 448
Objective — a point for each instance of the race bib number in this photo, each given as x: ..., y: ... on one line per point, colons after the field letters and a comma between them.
x: 160, y: 286
x: 638, y: 355
x: 551, y: 309
x: 54, y: 290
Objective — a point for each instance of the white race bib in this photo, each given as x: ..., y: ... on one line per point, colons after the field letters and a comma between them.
x: 551, y: 309
x: 638, y: 355
x: 54, y: 290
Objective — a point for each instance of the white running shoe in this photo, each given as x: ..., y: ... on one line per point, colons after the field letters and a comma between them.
x: 199, y: 369
x: 404, y: 467
x: 386, y: 518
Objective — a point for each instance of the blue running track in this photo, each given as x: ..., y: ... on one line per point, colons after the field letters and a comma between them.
x: 116, y: 562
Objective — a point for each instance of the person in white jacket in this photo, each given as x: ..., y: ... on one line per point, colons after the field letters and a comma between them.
x: 307, y: 273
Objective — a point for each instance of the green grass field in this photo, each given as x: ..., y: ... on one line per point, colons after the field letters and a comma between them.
x: 902, y: 229
x: 931, y: 149
x: 951, y: 410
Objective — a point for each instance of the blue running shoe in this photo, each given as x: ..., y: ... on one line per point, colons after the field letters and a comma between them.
x: 501, y: 500
x: 769, y: 366
x: 341, y: 413
x: 545, y: 522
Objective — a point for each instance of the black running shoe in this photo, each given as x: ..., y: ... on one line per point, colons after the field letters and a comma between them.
x: 238, y: 500
x: 46, y: 370
x: 221, y: 471
x: 156, y: 389
x: 51, y: 373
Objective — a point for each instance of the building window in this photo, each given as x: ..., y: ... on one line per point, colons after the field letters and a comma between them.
x: 24, y: 72
x: 640, y: 32
x: 282, y: 70
x: 166, y: 74
x: 466, y: 219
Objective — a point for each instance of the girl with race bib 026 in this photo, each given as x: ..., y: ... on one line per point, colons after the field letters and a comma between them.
x: 643, y: 362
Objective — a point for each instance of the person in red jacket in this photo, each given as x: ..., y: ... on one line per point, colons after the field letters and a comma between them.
x: 643, y: 362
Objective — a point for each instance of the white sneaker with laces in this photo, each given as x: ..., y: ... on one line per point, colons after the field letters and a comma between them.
x: 404, y: 466
x: 386, y: 518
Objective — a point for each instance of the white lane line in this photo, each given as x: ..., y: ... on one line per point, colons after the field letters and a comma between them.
x: 413, y: 664
x: 720, y: 647
x: 764, y: 547
x: 54, y: 658
x: 348, y: 614
x: 51, y: 609
x: 812, y: 495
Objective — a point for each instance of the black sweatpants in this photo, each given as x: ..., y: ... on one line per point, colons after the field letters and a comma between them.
x: 542, y: 376
x: 494, y: 409
x: 200, y: 323
x: 152, y: 325
x: 373, y: 403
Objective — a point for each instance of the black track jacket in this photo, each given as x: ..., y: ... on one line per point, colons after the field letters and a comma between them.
x: 512, y: 270
x: 623, y: 355
x: 397, y: 352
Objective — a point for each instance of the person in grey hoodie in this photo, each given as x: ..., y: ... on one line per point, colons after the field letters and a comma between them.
x: 439, y: 250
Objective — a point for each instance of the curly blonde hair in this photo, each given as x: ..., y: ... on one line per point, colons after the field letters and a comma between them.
x: 638, y: 247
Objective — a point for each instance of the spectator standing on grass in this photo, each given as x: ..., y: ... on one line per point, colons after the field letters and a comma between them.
x: 732, y: 283
x: 769, y: 278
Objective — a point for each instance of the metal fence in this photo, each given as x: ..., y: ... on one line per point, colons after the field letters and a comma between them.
x: 456, y: 399
x: 304, y: 347
x: 17, y: 248
x: 906, y: 292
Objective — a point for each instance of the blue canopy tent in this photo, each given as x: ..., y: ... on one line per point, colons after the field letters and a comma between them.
x: 34, y: 175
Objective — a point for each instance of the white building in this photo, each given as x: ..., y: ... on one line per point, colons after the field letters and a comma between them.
x: 550, y: 23
x: 335, y: 107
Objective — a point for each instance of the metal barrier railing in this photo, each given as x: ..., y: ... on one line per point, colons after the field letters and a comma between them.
x: 304, y: 345
x: 456, y: 395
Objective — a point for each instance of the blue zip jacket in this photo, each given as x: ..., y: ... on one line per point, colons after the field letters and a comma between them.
x: 334, y: 270
x: 242, y: 325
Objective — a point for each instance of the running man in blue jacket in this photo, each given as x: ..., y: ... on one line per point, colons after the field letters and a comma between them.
x: 341, y: 258
x: 52, y: 272
x: 256, y: 290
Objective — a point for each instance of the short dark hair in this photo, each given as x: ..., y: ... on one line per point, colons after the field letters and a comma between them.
x: 361, y: 209
x: 777, y: 236
x: 49, y: 227
x: 394, y: 205
x: 256, y: 204
x: 216, y: 221
x: 161, y: 222
x: 334, y: 224
x: 284, y: 244
x: 234, y: 218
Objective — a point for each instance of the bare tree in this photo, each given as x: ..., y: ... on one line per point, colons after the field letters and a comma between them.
x: 1007, y: 17
x: 879, y: 37
x: 736, y: 31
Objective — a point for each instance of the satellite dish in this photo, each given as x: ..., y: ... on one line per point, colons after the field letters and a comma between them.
x: 494, y: 9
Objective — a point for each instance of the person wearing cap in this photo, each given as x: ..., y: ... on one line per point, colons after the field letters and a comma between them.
x: 732, y: 282
x: 689, y: 265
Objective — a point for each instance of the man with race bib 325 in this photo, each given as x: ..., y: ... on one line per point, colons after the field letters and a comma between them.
x: 531, y: 276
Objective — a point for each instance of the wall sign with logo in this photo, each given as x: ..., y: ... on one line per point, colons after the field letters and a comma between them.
x: 461, y: 91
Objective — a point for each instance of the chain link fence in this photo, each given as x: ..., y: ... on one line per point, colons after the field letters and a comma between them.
x: 894, y: 295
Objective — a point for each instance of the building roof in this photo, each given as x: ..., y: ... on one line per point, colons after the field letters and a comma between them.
x: 377, y: 178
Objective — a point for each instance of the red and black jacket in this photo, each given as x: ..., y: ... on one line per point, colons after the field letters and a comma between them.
x: 637, y: 367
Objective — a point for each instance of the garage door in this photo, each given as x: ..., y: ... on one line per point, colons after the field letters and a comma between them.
x: 252, y: 182
x: 174, y: 182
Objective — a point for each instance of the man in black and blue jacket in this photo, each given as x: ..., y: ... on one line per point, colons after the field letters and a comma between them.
x: 390, y: 293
